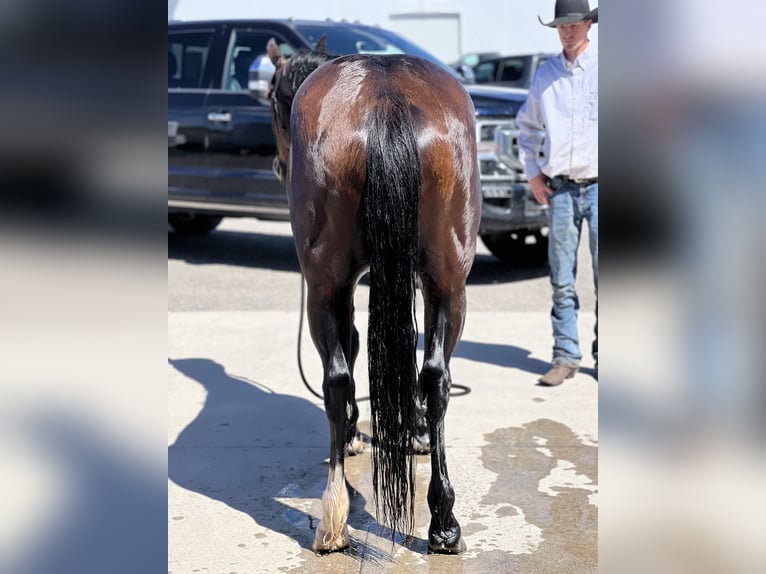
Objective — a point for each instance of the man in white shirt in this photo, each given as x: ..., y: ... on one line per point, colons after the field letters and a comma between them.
x: 562, y: 106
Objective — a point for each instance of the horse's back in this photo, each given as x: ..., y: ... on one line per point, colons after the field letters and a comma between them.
x: 339, y: 94
x: 362, y: 78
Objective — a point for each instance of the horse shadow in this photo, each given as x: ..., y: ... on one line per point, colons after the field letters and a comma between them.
x: 253, y: 449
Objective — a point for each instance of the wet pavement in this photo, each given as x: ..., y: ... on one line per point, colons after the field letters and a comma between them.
x: 248, y: 446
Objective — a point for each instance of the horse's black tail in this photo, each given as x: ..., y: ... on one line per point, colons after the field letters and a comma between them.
x: 390, y: 210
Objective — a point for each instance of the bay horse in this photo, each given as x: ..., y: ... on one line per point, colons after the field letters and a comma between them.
x: 379, y: 153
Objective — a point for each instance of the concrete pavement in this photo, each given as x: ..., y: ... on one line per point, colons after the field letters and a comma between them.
x: 248, y: 444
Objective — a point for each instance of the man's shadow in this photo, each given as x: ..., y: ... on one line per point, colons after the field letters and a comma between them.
x: 249, y: 447
x: 505, y: 356
x: 500, y: 355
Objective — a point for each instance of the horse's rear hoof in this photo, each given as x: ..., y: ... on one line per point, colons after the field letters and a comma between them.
x: 326, y: 542
x: 447, y: 549
x: 446, y: 540
x: 355, y: 446
x: 421, y: 444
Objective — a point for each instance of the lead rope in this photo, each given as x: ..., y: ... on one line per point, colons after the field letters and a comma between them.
x: 300, y: 338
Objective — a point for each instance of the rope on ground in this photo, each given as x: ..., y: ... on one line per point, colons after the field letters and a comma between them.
x: 455, y: 390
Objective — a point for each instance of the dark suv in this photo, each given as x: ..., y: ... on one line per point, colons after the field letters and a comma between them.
x: 221, y: 147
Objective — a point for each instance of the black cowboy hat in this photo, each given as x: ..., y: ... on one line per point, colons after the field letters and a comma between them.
x: 571, y: 11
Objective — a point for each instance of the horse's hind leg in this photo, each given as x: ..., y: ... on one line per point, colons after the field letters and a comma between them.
x: 331, y: 326
x: 444, y: 316
x: 349, y: 336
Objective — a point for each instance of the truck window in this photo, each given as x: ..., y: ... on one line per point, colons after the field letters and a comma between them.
x: 187, y: 56
x: 513, y: 69
x: 351, y: 41
x: 244, y: 47
x: 485, y: 72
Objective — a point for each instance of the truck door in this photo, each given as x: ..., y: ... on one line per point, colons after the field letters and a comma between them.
x: 188, y: 78
x: 240, y: 140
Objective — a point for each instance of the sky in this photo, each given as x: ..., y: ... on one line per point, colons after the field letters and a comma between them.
x: 505, y: 26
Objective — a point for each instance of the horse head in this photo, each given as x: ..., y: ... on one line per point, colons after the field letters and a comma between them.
x: 289, y: 74
x: 281, y: 97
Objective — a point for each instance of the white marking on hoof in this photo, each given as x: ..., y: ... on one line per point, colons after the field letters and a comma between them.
x: 326, y: 541
x: 332, y: 532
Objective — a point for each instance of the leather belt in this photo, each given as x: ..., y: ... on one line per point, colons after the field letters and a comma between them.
x: 562, y: 179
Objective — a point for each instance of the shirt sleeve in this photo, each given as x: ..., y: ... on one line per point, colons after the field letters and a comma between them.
x: 530, y: 122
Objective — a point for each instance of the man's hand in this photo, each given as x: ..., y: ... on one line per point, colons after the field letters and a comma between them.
x: 540, y: 189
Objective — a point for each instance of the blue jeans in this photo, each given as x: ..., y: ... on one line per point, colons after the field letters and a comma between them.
x: 569, y: 206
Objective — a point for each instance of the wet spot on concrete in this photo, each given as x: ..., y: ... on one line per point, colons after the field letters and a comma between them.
x: 550, y: 487
x: 541, y: 478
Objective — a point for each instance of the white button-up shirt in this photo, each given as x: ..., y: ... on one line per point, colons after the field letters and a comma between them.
x: 563, y: 103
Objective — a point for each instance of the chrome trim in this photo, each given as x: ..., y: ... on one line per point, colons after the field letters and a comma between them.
x: 240, y: 208
x: 219, y: 117
x: 190, y: 90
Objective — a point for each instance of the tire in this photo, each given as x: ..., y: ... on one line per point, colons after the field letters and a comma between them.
x: 193, y: 223
x: 512, y: 247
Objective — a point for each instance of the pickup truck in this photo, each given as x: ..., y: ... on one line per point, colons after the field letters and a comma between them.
x: 514, y: 71
x: 221, y: 146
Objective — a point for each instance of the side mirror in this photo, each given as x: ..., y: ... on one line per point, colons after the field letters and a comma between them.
x: 259, y: 79
x: 467, y: 72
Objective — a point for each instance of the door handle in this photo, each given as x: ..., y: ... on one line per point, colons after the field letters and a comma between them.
x: 219, y: 117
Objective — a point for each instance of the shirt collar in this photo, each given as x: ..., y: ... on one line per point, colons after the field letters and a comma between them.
x: 583, y: 61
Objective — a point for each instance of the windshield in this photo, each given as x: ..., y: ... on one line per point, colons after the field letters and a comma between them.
x: 365, y: 40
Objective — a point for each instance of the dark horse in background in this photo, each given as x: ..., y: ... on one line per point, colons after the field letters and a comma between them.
x: 382, y: 175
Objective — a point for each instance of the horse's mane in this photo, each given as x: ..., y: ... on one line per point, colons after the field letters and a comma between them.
x: 302, y: 63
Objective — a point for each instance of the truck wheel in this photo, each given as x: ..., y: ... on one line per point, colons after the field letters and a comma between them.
x: 193, y: 223
x: 512, y: 247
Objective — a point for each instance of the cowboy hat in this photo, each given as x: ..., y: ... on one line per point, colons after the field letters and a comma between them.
x: 571, y: 11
